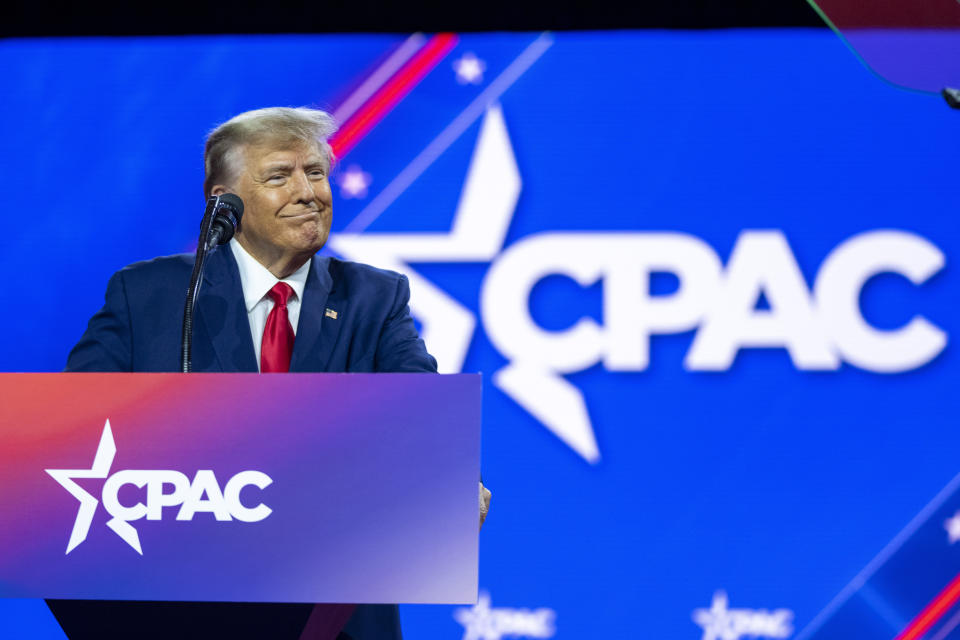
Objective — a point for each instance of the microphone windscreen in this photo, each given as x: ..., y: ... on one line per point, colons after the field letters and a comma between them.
x: 234, y: 202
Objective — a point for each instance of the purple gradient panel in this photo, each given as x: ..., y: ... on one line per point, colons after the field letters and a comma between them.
x: 374, y: 492
x: 924, y: 59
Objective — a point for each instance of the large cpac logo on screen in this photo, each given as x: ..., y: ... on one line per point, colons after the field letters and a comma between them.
x: 189, y: 495
x: 820, y: 329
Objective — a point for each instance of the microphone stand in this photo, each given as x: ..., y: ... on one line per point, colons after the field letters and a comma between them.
x: 186, y: 341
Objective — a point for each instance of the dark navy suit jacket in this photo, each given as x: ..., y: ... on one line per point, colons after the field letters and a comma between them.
x: 353, y: 318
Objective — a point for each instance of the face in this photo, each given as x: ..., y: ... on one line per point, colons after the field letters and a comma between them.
x: 287, y: 203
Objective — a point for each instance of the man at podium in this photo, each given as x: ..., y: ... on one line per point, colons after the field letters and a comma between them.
x: 267, y: 304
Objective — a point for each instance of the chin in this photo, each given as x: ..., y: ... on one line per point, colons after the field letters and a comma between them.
x: 311, y: 241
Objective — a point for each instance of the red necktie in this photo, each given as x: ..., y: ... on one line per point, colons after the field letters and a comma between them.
x: 277, y: 345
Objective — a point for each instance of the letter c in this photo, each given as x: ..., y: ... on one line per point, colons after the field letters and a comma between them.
x: 112, y: 487
x: 837, y: 292
x: 231, y: 494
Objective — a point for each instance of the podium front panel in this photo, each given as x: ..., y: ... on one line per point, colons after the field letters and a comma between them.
x: 240, y: 487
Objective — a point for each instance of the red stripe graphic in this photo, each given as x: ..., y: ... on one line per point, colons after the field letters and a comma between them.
x: 933, y: 611
x: 392, y: 92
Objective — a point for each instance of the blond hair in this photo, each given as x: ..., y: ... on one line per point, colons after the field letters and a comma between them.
x: 281, y: 126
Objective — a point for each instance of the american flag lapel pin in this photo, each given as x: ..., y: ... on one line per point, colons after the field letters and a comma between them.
x: 330, y: 313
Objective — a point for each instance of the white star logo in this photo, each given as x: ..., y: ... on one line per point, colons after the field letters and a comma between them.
x: 480, y: 225
x: 469, y: 69
x: 354, y: 182
x: 88, y: 504
x: 952, y: 525
x: 102, y: 461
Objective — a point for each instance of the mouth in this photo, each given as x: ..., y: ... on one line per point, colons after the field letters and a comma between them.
x: 304, y: 214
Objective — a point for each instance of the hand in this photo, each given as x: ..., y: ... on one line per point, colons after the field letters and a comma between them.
x: 484, y: 503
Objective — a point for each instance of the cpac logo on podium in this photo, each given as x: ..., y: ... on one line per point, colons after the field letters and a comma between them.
x: 819, y: 328
x: 224, y: 504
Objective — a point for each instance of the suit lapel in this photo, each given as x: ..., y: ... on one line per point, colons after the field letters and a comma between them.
x: 319, y: 324
x: 223, y: 315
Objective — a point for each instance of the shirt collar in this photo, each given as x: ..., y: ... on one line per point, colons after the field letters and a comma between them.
x: 257, y: 280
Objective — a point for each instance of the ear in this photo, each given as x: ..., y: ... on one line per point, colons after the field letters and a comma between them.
x: 219, y: 190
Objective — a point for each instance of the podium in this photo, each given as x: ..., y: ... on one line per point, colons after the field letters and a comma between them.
x: 293, y: 488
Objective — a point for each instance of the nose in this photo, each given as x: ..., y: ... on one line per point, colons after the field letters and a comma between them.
x: 301, y: 189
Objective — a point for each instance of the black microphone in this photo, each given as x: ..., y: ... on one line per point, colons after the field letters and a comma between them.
x: 220, y: 220
x: 227, y: 211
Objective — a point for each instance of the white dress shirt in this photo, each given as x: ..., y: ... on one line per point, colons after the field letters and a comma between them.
x: 257, y: 281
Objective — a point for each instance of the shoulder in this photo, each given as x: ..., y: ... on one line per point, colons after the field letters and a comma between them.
x: 159, y: 276
x: 358, y: 277
x: 163, y: 266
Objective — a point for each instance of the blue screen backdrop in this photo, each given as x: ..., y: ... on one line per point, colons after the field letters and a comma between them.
x: 668, y: 495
